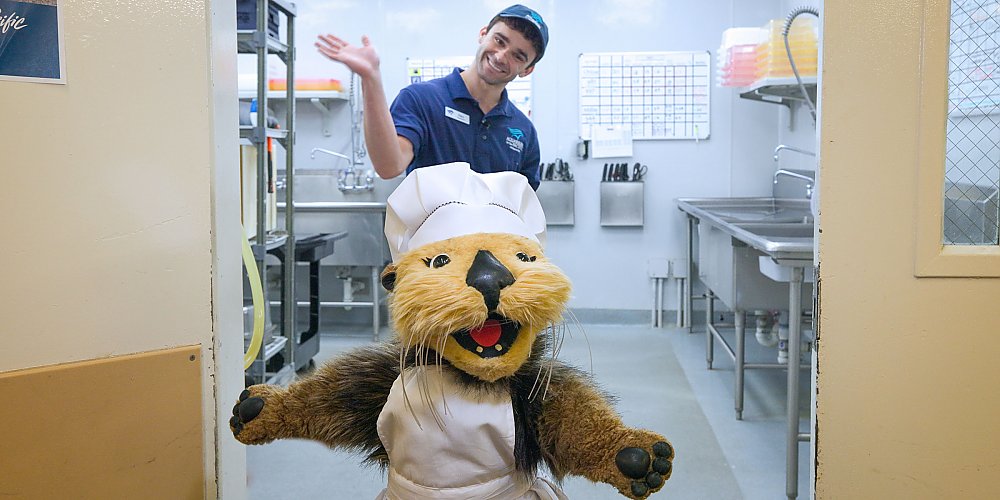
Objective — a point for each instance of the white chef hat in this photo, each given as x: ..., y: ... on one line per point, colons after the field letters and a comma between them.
x: 444, y: 201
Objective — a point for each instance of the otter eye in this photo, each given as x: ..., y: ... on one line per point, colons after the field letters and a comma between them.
x: 523, y: 257
x: 438, y: 261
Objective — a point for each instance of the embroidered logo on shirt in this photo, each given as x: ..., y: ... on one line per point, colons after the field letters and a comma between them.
x: 514, y: 140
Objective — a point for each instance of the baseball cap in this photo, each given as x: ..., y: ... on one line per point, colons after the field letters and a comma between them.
x: 533, y: 18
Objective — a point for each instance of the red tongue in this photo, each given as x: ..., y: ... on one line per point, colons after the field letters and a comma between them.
x: 488, y: 334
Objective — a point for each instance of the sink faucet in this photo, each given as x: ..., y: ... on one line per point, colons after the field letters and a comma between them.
x: 790, y: 148
x: 327, y: 151
x: 349, y: 180
x: 809, y: 180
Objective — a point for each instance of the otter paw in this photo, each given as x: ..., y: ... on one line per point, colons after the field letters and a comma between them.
x: 647, y: 471
x: 246, y: 409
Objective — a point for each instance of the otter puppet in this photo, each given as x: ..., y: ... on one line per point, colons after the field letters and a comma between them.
x: 468, y: 400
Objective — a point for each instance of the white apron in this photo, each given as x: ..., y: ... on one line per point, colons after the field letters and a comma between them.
x: 471, y: 458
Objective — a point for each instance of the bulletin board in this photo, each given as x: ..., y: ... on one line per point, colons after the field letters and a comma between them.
x: 658, y: 95
x: 974, y: 80
x: 419, y: 70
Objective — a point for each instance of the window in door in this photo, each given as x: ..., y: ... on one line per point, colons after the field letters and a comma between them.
x: 972, y: 157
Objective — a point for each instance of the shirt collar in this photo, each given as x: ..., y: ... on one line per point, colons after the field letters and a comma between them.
x: 458, y: 89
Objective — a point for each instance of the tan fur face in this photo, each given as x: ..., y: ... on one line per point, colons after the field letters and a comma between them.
x: 433, y: 304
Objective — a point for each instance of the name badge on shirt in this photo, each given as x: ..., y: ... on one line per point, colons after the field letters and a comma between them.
x: 455, y: 114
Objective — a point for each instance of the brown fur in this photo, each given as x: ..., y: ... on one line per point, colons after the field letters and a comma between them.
x: 561, y: 418
x: 583, y: 433
x: 429, y: 304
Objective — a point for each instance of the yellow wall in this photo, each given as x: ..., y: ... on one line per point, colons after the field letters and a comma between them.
x: 119, y: 427
x: 908, y: 372
x: 120, y: 202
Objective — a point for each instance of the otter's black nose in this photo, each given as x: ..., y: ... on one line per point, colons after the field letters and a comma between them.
x: 489, y: 276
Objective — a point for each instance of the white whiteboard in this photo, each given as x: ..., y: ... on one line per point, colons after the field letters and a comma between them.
x: 660, y: 95
x: 420, y: 70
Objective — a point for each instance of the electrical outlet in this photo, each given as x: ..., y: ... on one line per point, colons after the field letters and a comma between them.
x: 658, y: 268
x: 678, y: 268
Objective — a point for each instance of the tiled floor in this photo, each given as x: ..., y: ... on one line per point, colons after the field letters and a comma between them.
x: 662, y: 383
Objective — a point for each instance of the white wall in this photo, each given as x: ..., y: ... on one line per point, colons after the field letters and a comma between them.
x: 607, y: 265
x: 121, y: 200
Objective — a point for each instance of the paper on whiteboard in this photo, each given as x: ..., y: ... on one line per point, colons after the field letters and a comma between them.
x: 610, y: 141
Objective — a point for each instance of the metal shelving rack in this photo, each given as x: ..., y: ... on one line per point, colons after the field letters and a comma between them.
x: 322, y: 100
x: 258, y: 41
x: 784, y: 91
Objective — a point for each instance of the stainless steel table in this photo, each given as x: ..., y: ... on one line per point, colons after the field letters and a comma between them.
x: 793, y: 252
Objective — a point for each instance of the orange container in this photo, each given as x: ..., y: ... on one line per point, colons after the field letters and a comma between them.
x: 306, y: 84
x: 772, y: 57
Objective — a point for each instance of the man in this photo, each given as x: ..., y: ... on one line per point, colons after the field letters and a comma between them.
x: 465, y: 116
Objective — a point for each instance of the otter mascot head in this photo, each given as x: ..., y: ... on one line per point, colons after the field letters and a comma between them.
x: 469, y: 280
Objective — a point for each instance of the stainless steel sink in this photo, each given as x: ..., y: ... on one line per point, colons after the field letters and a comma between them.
x: 779, y: 227
x: 755, y: 209
x: 733, y: 233
x: 320, y: 207
x: 779, y: 230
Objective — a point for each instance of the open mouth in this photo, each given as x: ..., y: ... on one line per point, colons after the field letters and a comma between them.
x: 491, y: 339
x: 493, y: 64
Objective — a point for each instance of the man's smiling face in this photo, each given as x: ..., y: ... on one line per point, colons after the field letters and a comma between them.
x: 503, y: 55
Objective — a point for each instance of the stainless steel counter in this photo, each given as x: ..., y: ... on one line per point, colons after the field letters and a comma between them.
x: 337, y: 206
x: 782, y: 230
x: 779, y: 227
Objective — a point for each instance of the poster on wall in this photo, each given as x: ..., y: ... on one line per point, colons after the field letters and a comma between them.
x: 31, y: 44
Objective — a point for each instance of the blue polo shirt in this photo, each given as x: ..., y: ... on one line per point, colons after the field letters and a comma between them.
x: 444, y: 124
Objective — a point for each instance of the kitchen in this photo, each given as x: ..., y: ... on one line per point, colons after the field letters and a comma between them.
x: 889, y: 285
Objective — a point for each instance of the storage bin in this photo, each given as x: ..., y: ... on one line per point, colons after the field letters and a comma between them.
x: 246, y: 17
x: 737, y: 56
x: 772, y: 57
x: 306, y: 84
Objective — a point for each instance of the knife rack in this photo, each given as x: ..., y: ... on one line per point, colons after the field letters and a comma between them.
x: 558, y: 202
x: 622, y: 204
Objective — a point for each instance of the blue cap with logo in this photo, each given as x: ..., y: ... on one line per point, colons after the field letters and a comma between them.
x: 533, y: 19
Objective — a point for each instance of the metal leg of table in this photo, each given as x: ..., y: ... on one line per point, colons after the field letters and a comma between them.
x: 687, y: 306
x: 740, y: 326
x: 709, y: 341
x: 681, y: 313
x: 375, y: 306
x: 794, y: 344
